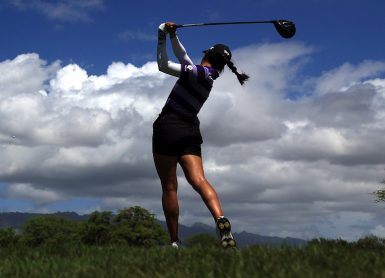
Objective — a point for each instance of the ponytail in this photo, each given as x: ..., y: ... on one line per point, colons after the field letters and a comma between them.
x: 219, y: 61
x: 242, y: 77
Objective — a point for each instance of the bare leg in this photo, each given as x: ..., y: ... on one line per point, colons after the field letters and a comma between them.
x: 193, y: 170
x: 166, y: 168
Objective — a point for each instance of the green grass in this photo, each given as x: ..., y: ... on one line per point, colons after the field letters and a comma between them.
x: 315, y: 260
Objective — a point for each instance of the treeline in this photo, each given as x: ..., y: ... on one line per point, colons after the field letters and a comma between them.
x: 133, y: 226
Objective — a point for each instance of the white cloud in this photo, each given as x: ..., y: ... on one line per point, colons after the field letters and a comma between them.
x: 39, y: 196
x: 378, y: 231
x: 65, y: 10
x: 279, y: 166
x: 26, y: 67
x: 346, y: 75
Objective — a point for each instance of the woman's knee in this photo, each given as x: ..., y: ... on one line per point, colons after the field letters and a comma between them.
x: 169, y: 187
x: 197, y: 182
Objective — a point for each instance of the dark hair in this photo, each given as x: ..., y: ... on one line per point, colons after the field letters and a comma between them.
x: 218, y: 62
x: 242, y: 77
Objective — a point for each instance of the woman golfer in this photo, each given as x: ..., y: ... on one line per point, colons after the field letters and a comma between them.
x: 176, y: 135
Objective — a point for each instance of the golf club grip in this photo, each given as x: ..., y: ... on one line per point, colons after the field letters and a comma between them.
x: 222, y: 23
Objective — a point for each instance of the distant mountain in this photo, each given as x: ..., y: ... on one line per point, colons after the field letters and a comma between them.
x: 17, y: 219
x: 248, y: 239
x: 244, y: 239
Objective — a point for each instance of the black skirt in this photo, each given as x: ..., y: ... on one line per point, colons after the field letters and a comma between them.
x: 175, y: 135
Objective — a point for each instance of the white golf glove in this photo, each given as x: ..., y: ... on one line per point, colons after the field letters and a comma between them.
x: 162, y: 27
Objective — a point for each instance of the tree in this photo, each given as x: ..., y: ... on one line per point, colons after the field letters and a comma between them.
x: 97, y: 229
x: 136, y: 226
x: 380, y: 194
x: 49, y: 230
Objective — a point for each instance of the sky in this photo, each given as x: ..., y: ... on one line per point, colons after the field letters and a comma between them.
x: 295, y: 152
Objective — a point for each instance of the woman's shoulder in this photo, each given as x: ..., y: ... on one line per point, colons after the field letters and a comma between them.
x: 210, y: 72
x: 200, y: 71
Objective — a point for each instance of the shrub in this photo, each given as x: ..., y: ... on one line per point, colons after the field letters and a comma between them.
x: 97, y: 229
x: 324, y: 242
x: 370, y: 242
x: 137, y: 227
x: 8, y: 237
x: 49, y: 230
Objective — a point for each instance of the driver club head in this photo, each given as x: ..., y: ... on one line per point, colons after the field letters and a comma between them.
x: 285, y: 28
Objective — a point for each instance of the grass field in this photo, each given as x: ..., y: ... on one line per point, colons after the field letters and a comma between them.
x: 327, y: 259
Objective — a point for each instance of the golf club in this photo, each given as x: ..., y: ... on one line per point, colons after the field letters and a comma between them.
x: 285, y: 28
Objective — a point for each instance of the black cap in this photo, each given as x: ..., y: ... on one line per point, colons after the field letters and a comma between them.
x: 221, y: 50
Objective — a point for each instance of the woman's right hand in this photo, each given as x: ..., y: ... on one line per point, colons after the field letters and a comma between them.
x: 170, y: 27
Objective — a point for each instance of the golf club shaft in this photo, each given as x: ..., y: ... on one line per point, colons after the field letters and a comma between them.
x: 223, y: 23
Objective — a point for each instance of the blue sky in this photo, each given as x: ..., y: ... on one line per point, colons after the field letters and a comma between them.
x: 340, y: 30
x: 79, y: 90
